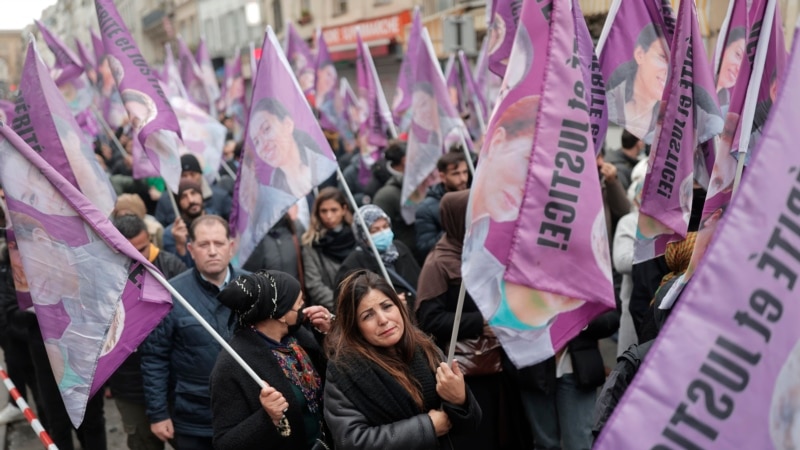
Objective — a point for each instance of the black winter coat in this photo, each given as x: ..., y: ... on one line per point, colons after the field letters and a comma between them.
x: 240, y: 422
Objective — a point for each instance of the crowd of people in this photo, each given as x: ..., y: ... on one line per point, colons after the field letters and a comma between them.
x: 348, y: 359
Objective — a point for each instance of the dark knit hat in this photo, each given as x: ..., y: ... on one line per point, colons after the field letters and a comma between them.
x: 189, y: 163
x: 266, y: 294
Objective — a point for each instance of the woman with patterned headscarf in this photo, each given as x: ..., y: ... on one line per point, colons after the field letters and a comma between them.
x: 403, y: 269
x: 271, y: 338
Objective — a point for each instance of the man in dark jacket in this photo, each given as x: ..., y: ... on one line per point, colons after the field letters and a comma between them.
x: 453, y: 172
x: 126, y: 382
x: 178, y: 356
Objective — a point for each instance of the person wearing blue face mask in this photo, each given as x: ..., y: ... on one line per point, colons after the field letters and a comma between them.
x: 403, y: 269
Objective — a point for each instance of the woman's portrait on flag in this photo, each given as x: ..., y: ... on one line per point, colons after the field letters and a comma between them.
x: 296, y: 161
x: 634, y: 89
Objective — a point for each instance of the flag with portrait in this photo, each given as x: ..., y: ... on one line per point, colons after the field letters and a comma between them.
x: 725, y: 370
x: 402, y: 98
x: 329, y: 103
x: 634, y: 57
x: 94, y: 298
x: 152, y: 120
x: 285, y: 152
x: 689, y: 115
x: 300, y: 59
x: 536, y: 253
x: 435, y: 126
x: 74, y: 84
x: 45, y: 122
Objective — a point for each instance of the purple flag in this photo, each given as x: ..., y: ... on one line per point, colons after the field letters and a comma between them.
x: 208, y: 76
x: 592, y: 79
x: 233, y: 100
x: 730, y: 53
x: 172, y: 76
x: 92, y: 294
x: 536, y: 254
x: 352, y: 107
x: 45, y: 122
x: 6, y: 111
x: 98, y: 47
x: 724, y: 371
x: 502, y: 29
x: 378, y: 123
x: 452, y: 78
x: 689, y: 116
x: 762, y: 87
x: 192, y: 76
x: 253, y: 63
x: 634, y: 58
x: 402, y: 98
x: 474, y: 100
x: 285, y: 152
x: 764, y: 39
x: 328, y: 101
x: 300, y: 59
x: 87, y: 60
x: 488, y: 82
x: 147, y: 105
x: 435, y: 125
x: 204, y: 135
x: 67, y: 65
x: 74, y: 85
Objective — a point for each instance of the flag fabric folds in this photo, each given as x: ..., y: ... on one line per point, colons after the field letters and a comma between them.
x: 764, y: 38
x: 435, y: 125
x: 67, y: 64
x: 504, y: 15
x: 152, y: 119
x: 208, y: 76
x: 232, y: 100
x: 725, y: 369
x: 300, y: 59
x: 93, y: 297
x: 204, y: 135
x: 192, y: 76
x: 171, y: 76
x: 328, y: 101
x: 45, y: 122
x: 592, y: 79
x: 689, y: 115
x: 285, y: 152
x: 634, y: 57
x: 402, y: 94
x: 536, y: 254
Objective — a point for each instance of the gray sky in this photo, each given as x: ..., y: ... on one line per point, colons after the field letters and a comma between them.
x: 19, y: 13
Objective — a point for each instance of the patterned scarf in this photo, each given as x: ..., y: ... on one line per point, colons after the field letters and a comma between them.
x: 300, y: 371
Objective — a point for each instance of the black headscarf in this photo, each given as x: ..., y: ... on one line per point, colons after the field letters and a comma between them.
x: 266, y: 294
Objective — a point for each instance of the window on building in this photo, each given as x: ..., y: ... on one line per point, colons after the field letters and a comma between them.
x: 305, y: 5
x: 277, y: 15
x: 339, y: 7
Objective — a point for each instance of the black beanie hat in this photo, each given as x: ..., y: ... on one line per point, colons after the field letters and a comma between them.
x: 266, y: 294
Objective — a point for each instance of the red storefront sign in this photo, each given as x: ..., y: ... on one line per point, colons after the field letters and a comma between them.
x: 341, y: 40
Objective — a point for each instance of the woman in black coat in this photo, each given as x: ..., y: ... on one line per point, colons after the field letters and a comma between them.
x: 388, y: 387
x: 403, y: 269
x: 287, y: 413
